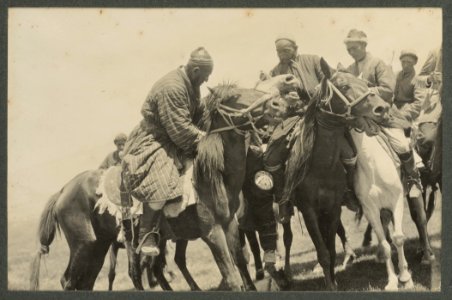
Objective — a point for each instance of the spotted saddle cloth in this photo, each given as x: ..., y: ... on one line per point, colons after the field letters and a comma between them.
x: 110, y: 197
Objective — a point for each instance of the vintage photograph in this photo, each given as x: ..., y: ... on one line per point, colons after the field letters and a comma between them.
x: 221, y: 149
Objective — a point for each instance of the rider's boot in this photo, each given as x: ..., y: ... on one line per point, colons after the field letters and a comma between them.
x: 149, y: 231
x: 412, y: 173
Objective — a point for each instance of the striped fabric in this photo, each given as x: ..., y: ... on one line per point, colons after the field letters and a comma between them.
x: 157, y: 148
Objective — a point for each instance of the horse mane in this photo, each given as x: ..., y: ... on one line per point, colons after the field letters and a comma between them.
x: 208, y: 166
x: 300, y: 156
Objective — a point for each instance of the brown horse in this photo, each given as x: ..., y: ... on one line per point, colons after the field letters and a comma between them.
x: 315, y: 174
x: 219, y: 172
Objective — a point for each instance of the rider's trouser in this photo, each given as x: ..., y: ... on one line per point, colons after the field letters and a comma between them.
x: 401, y: 145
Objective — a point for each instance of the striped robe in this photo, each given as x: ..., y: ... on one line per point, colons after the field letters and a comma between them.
x: 156, y: 149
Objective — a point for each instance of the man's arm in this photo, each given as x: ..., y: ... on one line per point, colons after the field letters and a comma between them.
x: 106, y: 163
x: 175, y: 117
x: 412, y: 110
x: 386, y: 81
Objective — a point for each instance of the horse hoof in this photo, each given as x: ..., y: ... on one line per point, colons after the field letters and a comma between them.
x: 317, y: 269
x: 427, y: 258
x: 260, y: 274
x: 392, y: 286
x: 408, y: 285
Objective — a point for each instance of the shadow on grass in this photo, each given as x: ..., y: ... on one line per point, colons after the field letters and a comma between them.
x: 366, y: 274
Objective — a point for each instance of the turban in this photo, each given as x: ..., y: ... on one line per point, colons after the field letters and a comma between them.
x: 355, y: 35
x: 284, y: 41
x: 408, y: 52
x: 200, y: 57
x: 120, y: 138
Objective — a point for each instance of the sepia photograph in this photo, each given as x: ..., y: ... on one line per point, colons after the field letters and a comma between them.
x: 224, y: 149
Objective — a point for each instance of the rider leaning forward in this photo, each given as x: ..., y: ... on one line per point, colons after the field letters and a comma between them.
x: 164, y: 140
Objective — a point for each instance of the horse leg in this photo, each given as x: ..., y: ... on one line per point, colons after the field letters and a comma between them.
x: 113, y: 260
x: 180, y: 260
x: 367, y: 237
x: 256, y: 250
x: 134, y: 266
x: 216, y: 240
x: 232, y: 239
x: 332, y: 228
x: 158, y: 266
x: 323, y: 255
x: 372, y: 214
x: 287, y: 238
x: 419, y: 217
x: 96, y: 261
x: 350, y: 255
x: 399, y: 238
x: 65, y: 278
x: 430, y: 207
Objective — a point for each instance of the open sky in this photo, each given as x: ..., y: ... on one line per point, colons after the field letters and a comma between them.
x: 76, y: 77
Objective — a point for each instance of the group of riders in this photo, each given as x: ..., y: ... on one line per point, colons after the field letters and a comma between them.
x: 154, y: 155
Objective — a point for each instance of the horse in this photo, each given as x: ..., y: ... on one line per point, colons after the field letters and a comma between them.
x: 260, y: 217
x: 315, y: 175
x: 428, y: 144
x: 218, y: 170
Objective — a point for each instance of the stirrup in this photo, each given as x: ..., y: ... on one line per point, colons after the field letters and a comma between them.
x: 149, y: 250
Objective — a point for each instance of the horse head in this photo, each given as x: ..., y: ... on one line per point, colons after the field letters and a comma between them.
x: 233, y: 108
x: 347, y: 96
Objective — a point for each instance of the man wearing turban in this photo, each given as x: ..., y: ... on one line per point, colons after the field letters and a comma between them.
x: 165, y: 139
x: 382, y: 81
x: 307, y: 69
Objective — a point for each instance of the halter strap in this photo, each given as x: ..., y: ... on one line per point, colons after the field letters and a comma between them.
x: 349, y: 105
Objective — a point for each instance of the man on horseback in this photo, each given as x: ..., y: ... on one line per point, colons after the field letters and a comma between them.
x: 381, y: 80
x: 158, y: 149
x: 308, y: 70
x: 115, y: 157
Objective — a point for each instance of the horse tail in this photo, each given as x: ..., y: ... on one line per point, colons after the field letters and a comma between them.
x: 46, y: 233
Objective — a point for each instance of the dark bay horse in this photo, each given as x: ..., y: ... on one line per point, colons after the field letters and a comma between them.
x: 219, y: 172
x: 315, y: 174
x: 261, y: 218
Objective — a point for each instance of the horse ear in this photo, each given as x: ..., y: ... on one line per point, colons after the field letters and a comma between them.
x: 325, y: 68
x: 341, y: 68
x: 210, y: 90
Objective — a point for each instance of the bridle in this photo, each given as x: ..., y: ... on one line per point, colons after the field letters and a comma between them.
x: 227, y: 113
x: 348, y: 104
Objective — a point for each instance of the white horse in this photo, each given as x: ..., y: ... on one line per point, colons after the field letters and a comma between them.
x: 378, y: 186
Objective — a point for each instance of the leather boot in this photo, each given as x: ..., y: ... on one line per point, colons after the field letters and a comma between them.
x: 149, y: 231
x: 350, y: 200
x: 412, y: 173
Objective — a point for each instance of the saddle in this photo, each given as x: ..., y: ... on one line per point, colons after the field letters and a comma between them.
x: 110, y: 197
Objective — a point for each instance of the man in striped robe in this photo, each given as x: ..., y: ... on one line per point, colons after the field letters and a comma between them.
x: 158, y: 148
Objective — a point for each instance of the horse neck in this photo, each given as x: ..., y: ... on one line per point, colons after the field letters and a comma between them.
x: 326, y: 146
x: 234, y: 160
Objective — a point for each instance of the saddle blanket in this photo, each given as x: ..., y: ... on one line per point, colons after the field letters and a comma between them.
x: 110, y: 197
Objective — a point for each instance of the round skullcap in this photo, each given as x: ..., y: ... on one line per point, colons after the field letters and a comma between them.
x: 356, y: 35
x: 200, y: 57
x: 120, y: 138
x: 408, y: 52
x: 283, y: 41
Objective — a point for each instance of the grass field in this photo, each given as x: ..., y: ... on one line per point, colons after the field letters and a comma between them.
x: 364, y: 275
